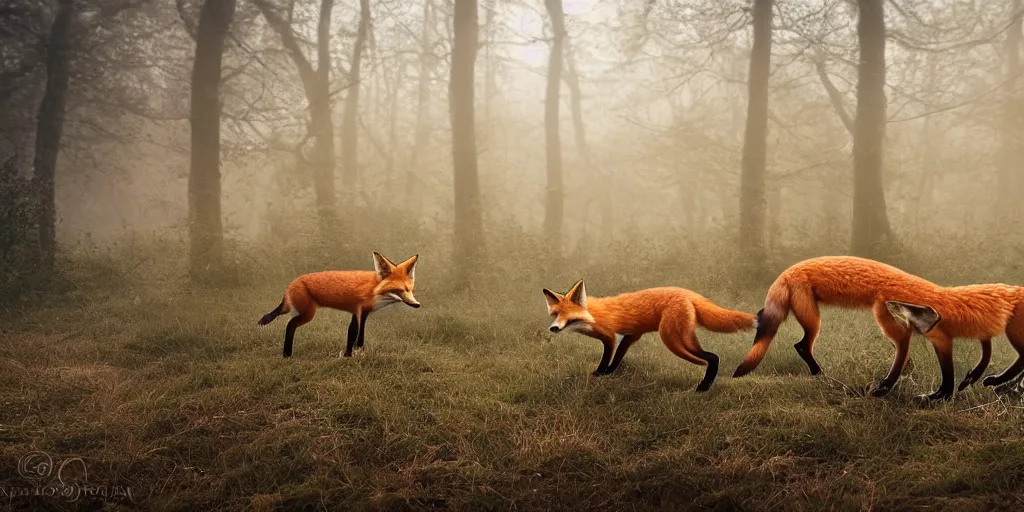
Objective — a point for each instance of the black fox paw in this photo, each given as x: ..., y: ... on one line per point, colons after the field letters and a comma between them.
x: 937, y: 395
x: 881, y: 390
x: 968, y: 380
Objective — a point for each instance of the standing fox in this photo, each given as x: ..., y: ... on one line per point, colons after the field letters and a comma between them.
x: 359, y: 292
x: 902, y: 303
x: 673, y: 312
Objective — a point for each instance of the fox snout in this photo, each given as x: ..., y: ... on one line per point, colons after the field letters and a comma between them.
x: 409, y: 300
x: 554, y: 328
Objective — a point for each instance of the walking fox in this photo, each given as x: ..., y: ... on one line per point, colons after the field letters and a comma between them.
x: 359, y: 292
x: 673, y: 312
x: 902, y: 303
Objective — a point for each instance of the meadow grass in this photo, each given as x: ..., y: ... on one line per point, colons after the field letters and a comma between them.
x: 469, y: 403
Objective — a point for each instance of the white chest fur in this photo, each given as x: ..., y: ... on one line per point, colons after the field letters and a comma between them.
x: 383, y: 301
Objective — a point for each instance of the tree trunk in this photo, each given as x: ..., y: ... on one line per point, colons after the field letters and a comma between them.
x: 422, y: 135
x: 350, y: 121
x: 468, y: 228
x: 393, y: 144
x: 834, y: 96
x: 774, y: 217
x: 922, y: 192
x: 601, y: 195
x: 871, y: 231
x: 316, y: 84
x: 1009, y: 168
x: 204, y: 223
x: 320, y: 116
x: 554, y: 200
x: 50, y: 128
x: 490, y: 71
x: 755, y: 148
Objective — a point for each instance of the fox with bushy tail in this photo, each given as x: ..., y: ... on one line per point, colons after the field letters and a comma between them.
x: 902, y: 304
x: 673, y: 312
x: 359, y: 292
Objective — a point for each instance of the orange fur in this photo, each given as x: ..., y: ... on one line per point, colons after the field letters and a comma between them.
x: 976, y: 311
x: 358, y: 292
x: 346, y: 290
x: 673, y: 312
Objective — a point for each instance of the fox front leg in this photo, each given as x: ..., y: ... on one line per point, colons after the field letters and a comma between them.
x: 606, y: 357
x: 943, y: 346
x: 624, y: 343
x: 353, y: 334
x: 362, y: 330
x: 979, y: 369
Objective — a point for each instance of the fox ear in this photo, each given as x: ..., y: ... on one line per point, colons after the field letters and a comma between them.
x: 410, y: 266
x: 382, y: 266
x: 578, y: 294
x: 552, y: 298
x: 920, y: 318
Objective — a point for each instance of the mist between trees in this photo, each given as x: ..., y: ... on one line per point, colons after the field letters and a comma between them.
x: 249, y: 136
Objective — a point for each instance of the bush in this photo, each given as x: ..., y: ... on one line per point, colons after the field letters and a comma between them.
x: 19, y: 250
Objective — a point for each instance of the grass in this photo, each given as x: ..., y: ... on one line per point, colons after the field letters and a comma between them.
x: 469, y: 403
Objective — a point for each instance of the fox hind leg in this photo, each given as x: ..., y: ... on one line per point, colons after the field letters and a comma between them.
x: 296, y: 322
x: 979, y: 369
x: 805, y: 310
x: 1015, y: 333
x: 678, y: 333
x: 900, y: 337
x: 711, y: 372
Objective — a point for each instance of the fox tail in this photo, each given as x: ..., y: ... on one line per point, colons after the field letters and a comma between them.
x: 776, y: 309
x: 269, y: 317
x: 715, y: 318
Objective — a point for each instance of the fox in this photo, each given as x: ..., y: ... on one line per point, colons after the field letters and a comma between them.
x: 359, y: 292
x: 902, y: 304
x: 621, y: 320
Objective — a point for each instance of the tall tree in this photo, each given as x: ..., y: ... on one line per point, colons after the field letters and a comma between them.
x: 468, y: 228
x: 490, y: 65
x: 755, y: 149
x: 350, y: 120
x: 554, y: 201
x: 316, y: 84
x: 1009, y: 168
x: 871, y: 231
x: 204, y: 213
x: 50, y: 128
x: 422, y: 131
x: 572, y: 80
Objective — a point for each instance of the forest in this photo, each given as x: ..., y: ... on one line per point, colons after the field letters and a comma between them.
x: 168, y: 168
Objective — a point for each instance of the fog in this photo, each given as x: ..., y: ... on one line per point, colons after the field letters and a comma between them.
x: 174, y: 175
x: 663, y: 101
